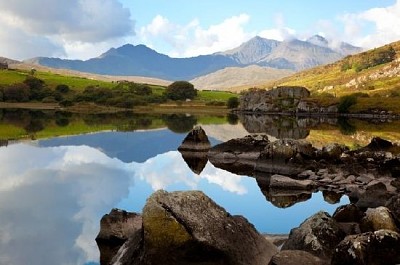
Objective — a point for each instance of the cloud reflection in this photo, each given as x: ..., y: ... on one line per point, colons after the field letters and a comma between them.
x: 52, y: 198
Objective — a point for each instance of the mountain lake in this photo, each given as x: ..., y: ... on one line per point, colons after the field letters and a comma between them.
x: 62, y: 172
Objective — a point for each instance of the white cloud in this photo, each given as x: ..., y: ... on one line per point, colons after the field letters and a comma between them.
x: 383, y: 20
x: 192, y: 39
x: 45, y: 26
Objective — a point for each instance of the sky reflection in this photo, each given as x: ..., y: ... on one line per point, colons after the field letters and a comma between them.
x: 52, y: 198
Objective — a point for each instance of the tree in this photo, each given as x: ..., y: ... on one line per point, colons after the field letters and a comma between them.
x: 233, y: 102
x: 180, y: 90
x: 17, y: 92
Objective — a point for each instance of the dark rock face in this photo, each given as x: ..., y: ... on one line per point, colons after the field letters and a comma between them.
x: 296, y: 257
x: 348, y: 213
x: 189, y: 228
x: 371, y: 248
x: 115, y: 229
x: 318, y: 235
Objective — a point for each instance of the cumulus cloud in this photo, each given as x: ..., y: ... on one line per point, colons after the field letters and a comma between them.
x: 383, y: 21
x: 192, y: 39
x: 50, y: 24
x: 280, y: 32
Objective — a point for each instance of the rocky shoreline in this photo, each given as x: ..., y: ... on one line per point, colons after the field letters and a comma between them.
x: 189, y: 228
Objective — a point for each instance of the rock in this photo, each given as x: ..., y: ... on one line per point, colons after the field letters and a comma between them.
x: 280, y: 99
x: 189, y: 228
x: 285, y: 183
x: 377, y: 219
x: 285, y: 149
x: 381, y: 247
x: 195, y: 140
x: 333, y: 151
x: 378, y: 144
x: 116, y: 228
x: 238, y: 155
x: 348, y: 213
x: 318, y: 235
x: 393, y: 204
x: 296, y: 257
x: 331, y: 196
x: 277, y: 240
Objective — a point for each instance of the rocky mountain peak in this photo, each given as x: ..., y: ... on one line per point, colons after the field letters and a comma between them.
x: 318, y: 40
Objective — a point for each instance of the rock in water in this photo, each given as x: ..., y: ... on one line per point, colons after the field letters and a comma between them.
x: 296, y: 257
x: 194, y: 149
x: 189, y: 228
x: 196, y: 140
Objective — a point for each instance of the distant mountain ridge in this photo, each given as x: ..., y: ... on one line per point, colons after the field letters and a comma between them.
x: 139, y: 60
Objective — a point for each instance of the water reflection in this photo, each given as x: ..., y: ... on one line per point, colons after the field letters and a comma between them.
x: 53, y: 195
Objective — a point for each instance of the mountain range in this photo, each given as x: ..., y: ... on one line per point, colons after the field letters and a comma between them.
x: 140, y: 60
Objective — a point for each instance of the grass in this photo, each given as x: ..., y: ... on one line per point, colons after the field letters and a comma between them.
x: 208, y: 95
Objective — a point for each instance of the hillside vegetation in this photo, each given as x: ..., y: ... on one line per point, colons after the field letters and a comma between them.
x: 375, y: 72
x: 31, y: 86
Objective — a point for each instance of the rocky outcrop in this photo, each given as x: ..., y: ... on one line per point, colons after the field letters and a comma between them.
x: 189, y: 228
x: 280, y: 99
x: 318, y: 235
x: 284, y: 99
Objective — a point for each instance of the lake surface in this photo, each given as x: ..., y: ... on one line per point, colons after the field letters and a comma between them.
x: 55, y: 189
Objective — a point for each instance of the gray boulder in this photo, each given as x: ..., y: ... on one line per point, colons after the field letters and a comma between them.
x: 189, y: 228
x: 381, y: 247
x: 318, y: 235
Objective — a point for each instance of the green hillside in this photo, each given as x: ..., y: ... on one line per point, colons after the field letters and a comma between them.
x: 375, y: 72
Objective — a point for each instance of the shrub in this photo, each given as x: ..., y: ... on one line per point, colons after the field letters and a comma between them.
x: 17, y: 92
x: 346, y: 102
x: 233, y: 102
x: 180, y: 90
x: 62, y: 88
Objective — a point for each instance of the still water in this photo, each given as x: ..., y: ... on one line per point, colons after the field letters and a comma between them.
x: 54, y: 190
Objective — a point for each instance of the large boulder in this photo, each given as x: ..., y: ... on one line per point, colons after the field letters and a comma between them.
x: 189, y: 228
x: 381, y: 247
x: 318, y: 235
x: 115, y: 229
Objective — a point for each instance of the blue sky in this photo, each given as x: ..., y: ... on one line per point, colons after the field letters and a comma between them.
x: 83, y: 29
